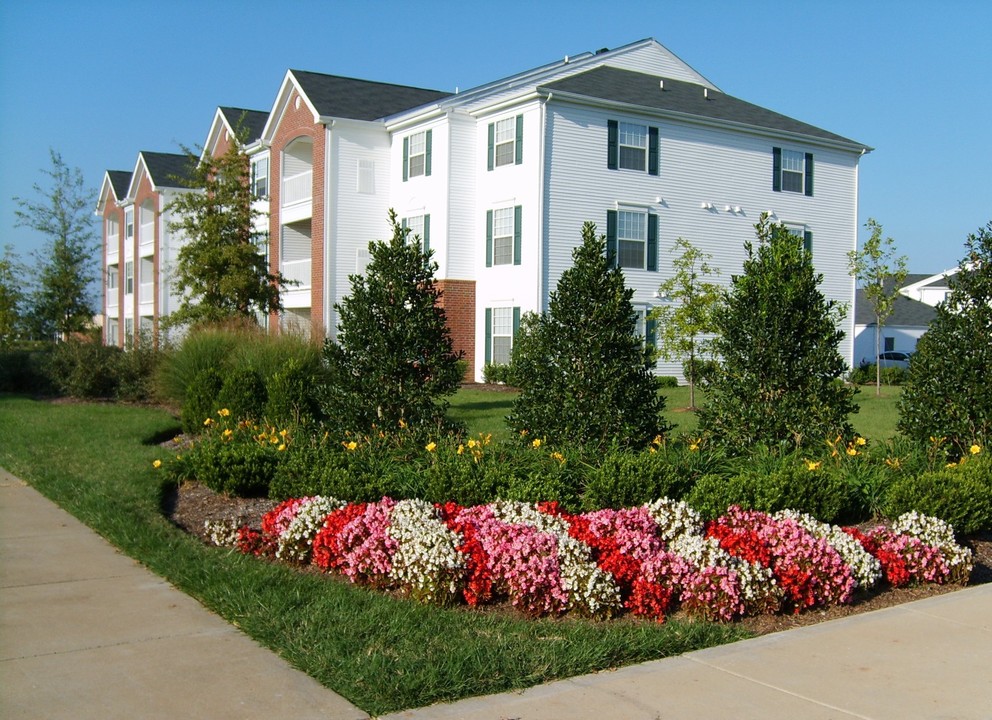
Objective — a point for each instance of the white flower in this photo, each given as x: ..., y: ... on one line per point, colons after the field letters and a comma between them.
x: 296, y: 543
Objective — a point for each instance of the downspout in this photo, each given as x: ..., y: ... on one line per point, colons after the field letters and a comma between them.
x: 544, y: 226
x: 329, y: 286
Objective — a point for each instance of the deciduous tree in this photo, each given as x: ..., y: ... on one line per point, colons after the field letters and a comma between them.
x: 881, y: 274
x: 60, y: 298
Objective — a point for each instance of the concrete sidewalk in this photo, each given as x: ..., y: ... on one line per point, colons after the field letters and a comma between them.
x: 86, y: 632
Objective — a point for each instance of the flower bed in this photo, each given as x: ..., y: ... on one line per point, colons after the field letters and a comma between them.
x: 646, y: 561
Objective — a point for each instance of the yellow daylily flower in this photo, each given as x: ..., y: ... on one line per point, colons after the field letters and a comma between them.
x: 157, y: 464
x: 975, y: 449
x: 350, y: 445
x: 431, y: 446
x: 208, y: 422
x: 852, y: 451
x: 224, y: 412
x: 536, y: 443
x: 858, y: 440
x: 461, y: 449
x: 282, y: 446
x: 812, y: 466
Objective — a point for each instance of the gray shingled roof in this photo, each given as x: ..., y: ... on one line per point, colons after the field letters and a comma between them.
x: 253, y: 120
x: 905, y: 311
x: 342, y: 97
x: 634, y: 88
x: 168, y: 169
x: 120, y: 180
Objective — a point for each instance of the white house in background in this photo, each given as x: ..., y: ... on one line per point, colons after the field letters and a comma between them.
x: 910, y: 318
x: 929, y: 289
x: 498, y: 180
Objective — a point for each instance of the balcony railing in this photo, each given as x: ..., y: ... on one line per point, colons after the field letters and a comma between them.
x: 112, y: 297
x: 297, y: 270
x: 146, y: 292
x: 146, y: 234
x: 297, y: 188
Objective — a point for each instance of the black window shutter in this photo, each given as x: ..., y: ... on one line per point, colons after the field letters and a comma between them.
x: 427, y: 234
x: 519, y: 157
x: 611, y: 238
x: 613, y: 144
x: 516, y: 321
x: 809, y: 174
x: 489, y: 238
x: 777, y: 169
x: 652, y: 242
x: 406, y: 158
x: 490, y: 163
x: 808, y: 241
x: 427, y: 158
x: 489, y: 335
x: 652, y: 151
x: 517, y: 217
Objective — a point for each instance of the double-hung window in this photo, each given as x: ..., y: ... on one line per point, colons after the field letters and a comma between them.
x: 502, y: 324
x: 112, y: 277
x: 802, y: 233
x: 129, y: 223
x: 417, y: 155
x: 632, y: 239
x: 506, y: 142
x: 644, y: 326
x: 420, y: 230
x: 129, y: 277
x: 260, y: 177
x: 503, y: 236
x: 792, y: 171
x: 632, y: 146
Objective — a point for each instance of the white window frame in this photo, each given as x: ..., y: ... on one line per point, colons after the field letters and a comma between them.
x: 636, y: 137
x: 503, y: 231
x: 793, y: 171
x: 260, y: 178
x: 415, y: 225
x: 505, y: 141
x: 502, y: 319
x: 113, y: 277
x: 129, y: 223
x: 632, y: 229
x: 129, y: 277
x: 417, y: 151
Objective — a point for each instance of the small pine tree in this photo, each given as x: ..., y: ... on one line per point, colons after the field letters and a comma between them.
x: 948, y: 396
x: 392, y: 363
x: 585, y: 374
x: 778, y: 378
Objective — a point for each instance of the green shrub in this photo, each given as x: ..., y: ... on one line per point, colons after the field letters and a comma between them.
x: 496, y: 373
x: 135, y: 371
x: 200, y: 400
x: 864, y: 374
x: 630, y: 478
x: 312, y: 468
x: 24, y: 370
x: 668, y: 381
x: 239, y: 468
x: 243, y: 393
x: 83, y: 369
x: 291, y: 396
x: 960, y: 495
x: 713, y: 494
x: 208, y: 347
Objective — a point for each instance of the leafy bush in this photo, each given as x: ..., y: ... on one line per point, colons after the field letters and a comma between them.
x: 291, y: 394
x: 865, y: 374
x: 948, y: 394
x: 496, y: 373
x: 960, y: 495
x: 313, y: 468
x: 83, y: 369
x: 203, y: 348
x: 668, y: 381
x: 779, y: 375
x: 201, y: 399
x: 585, y: 374
x: 243, y: 469
x: 243, y: 393
x: 24, y: 370
x: 135, y: 371
x: 823, y: 494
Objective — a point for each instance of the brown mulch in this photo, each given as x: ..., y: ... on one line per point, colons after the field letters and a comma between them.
x: 192, y: 504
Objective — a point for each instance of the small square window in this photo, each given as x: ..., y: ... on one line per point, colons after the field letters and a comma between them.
x: 889, y: 344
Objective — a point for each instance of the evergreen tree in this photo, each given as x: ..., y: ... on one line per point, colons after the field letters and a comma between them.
x: 221, y: 270
x: 585, y: 374
x: 881, y: 274
x: 778, y: 378
x: 948, y: 395
x: 392, y: 363
x: 688, y: 313
x: 60, y: 299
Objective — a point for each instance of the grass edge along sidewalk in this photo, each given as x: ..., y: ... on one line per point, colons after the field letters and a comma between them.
x: 94, y: 460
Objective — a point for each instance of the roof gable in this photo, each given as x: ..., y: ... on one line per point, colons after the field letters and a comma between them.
x: 164, y: 170
x: 227, y: 120
x: 606, y: 84
x: 906, y: 312
x: 115, y: 184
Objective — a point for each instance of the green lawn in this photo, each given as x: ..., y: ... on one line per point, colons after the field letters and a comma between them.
x: 484, y: 410
x: 95, y: 460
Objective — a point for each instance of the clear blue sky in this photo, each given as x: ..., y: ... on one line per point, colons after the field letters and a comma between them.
x: 99, y: 81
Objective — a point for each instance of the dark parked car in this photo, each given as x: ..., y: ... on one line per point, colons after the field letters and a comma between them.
x: 894, y: 358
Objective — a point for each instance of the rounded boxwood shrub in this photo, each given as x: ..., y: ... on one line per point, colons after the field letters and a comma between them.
x: 312, y: 469
x: 713, y: 494
x: 200, y: 400
x: 243, y: 393
x: 960, y: 495
x: 291, y: 395
x: 243, y: 469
